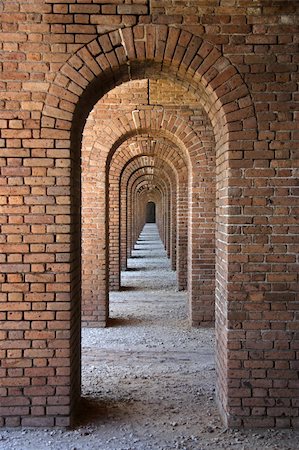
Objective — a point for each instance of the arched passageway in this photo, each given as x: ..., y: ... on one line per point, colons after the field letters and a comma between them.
x: 151, y: 212
x: 161, y: 127
x: 201, y: 150
x: 201, y: 163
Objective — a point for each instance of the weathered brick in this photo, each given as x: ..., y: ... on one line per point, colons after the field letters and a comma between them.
x: 224, y: 101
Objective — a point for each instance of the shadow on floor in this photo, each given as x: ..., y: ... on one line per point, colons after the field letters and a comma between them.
x: 128, y: 288
x: 90, y: 410
x: 124, y: 322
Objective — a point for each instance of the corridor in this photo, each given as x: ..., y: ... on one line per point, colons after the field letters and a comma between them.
x: 149, y: 373
x: 108, y: 107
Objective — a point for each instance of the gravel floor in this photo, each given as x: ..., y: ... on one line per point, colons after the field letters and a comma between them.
x: 148, y: 379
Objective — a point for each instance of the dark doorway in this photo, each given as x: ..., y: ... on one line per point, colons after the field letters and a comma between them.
x: 151, y: 212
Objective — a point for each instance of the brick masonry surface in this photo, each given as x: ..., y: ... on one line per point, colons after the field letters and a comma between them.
x: 109, y: 104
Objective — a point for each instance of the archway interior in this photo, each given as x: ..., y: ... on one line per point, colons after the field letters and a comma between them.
x: 151, y: 212
x: 133, y: 152
x: 150, y: 165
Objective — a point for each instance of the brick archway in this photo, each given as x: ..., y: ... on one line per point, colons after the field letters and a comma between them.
x: 113, y: 58
x: 138, y: 181
x: 117, y: 182
x: 195, y: 150
x: 137, y: 148
x: 224, y: 96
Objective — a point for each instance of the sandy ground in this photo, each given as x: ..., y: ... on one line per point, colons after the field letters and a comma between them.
x: 149, y: 379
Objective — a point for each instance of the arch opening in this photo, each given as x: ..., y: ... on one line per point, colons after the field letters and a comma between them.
x: 191, y: 185
x: 151, y: 212
x: 155, y: 165
x: 182, y: 156
x: 224, y: 87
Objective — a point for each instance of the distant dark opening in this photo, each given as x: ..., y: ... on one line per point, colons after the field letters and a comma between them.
x: 151, y: 212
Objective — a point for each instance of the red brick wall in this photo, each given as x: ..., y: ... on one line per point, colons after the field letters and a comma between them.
x: 240, y: 62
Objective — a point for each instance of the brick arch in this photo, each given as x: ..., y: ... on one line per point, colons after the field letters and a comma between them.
x: 139, y: 204
x: 100, y: 150
x: 155, y: 122
x: 138, y: 183
x: 155, y: 197
x: 93, y: 182
x: 115, y: 181
x: 125, y: 54
x: 196, y: 153
x: 221, y: 90
x: 132, y: 53
x: 124, y: 216
x: 164, y: 180
x: 180, y: 211
x: 129, y: 152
